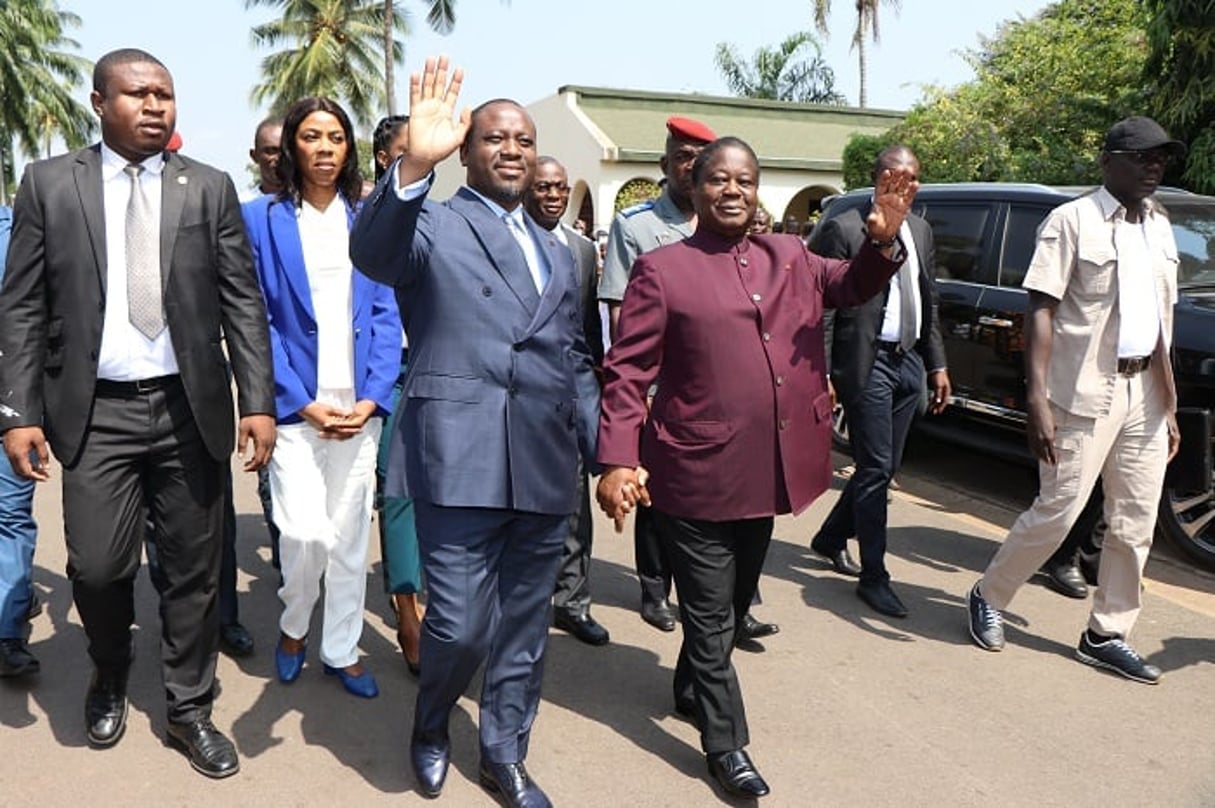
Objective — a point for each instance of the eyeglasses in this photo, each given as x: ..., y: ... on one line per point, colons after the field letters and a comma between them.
x: 545, y: 187
x: 1145, y: 157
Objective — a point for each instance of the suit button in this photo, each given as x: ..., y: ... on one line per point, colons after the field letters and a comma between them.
x: 784, y: 423
x: 756, y: 298
x: 742, y: 262
x: 512, y: 391
x: 518, y: 346
x: 780, y: 380
x: 486, y: 291
x: 92, y: 354
x: 767, y: 337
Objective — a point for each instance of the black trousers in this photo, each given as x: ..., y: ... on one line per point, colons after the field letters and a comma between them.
x: 143, y: 458
x: 716, y: 567
x: 573, y: 592
x: 650, y: 555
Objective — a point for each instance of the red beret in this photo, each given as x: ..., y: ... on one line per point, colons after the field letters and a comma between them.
x: 688, y: 129
x: 174, y: 143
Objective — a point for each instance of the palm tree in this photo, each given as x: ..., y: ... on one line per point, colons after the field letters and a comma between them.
x: 866, y: 24
x: 792, y: 71
x: 333, y: 49
x: 441, y: 17
x: 37, y: 77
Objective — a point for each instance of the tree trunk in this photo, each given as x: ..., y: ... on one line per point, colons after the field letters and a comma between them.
x: 390, y: 90
x: 860, y: 57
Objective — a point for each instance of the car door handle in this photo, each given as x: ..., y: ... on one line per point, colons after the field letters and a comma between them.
x: 997, y: 322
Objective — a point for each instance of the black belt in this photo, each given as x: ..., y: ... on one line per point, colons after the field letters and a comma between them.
x: 1133, y: 365
x: 890, y: 347
x: 109, y: 387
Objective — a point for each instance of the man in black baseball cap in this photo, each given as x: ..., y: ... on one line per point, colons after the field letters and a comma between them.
x: 1139, y: 134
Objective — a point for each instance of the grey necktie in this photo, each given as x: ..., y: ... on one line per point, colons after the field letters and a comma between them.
x: 535, y: 264
x: 907, y: 312
x: 144, y: 305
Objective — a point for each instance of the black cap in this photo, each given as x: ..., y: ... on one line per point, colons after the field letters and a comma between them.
x: 1141, y: 134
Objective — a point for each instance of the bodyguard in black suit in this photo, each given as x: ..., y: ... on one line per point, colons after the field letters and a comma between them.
x: 878, y: 354
x: 545, y: 201
x: 128, y: 266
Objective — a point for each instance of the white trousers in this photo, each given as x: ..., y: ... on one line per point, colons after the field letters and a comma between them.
x: 1128, y: 449
x: 323, y: 492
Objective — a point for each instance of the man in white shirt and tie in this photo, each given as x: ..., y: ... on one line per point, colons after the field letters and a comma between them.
x: 128, y: 271
x: 879, y: 355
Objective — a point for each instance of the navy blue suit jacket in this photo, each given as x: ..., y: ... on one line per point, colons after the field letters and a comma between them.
x: 500, y: 394
x: 274, y: 235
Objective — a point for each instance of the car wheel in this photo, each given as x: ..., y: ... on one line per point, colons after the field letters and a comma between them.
x: 1188, y: 521
x: 839, y: 429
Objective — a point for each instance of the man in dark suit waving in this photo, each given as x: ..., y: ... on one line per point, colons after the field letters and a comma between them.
x: 878, y: 355
x: 127, y: 267
x: 499, y: 400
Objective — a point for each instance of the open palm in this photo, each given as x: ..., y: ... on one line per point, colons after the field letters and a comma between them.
x: 434, y: 132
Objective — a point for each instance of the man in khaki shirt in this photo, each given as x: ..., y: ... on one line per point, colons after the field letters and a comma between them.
x: 1100, y: 397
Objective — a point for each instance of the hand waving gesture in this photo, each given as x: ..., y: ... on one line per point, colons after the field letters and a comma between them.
x: 434, y: 132
x: 892, y: 197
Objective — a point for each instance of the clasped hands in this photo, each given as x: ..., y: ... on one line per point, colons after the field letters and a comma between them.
x: 620, y: 490
x: 335, y: 423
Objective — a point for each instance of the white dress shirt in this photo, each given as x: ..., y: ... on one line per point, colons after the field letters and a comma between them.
x: 126, y: 354
x: 892, y: 321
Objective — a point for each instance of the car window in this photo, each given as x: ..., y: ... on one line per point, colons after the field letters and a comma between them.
x: 957, y: 230
x: 1194, y: 230
x: 1020, y: 236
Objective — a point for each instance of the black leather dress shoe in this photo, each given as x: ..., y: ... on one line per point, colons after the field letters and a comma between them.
x: 16, y: 659
x: 736, y: 774
x: 235, y: 640
x: 430, y: 756
x: 659, y: 614
x: 841, y: 560
x: 751, y: 629
x: 881, y: 598
x: 511, y: 785
x: 1066, y: 579
x: 105, y: 708
x: 209, y: 750
x: 582, y: 626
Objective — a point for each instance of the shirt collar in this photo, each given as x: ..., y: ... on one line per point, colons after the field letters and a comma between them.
x: 112, y: 163
x: 1110, y: 206
x: 498, y: 210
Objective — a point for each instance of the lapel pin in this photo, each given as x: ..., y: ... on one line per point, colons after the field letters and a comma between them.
x: 182, y: 179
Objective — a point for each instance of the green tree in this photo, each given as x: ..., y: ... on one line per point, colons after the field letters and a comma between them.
x: 1180, y: 68
x: 37, y: 77
x: 866, y: 27
x: 333, y: 48
x: 792, y: 71
x: 1046, y: 90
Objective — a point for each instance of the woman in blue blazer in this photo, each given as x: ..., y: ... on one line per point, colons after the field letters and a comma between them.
x: 336, y: 337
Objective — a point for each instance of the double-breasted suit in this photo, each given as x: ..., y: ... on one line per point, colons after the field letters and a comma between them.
x: 132, y: 445
x: 498, y: 399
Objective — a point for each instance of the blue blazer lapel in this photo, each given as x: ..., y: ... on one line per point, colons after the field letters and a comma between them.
x: 499, y: 245
x: 288, y: 252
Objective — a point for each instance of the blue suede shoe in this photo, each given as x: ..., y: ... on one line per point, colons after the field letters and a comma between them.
x: 288, y: 665
x: 362, y: 685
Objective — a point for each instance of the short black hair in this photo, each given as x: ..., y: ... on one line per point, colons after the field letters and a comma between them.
x: 266, y: 123
x: 879, y: 162
x: 385, y: 132
x: 729, y: 141
x: 349, y: 179
x: 123, y: 56
x: 493, y: 102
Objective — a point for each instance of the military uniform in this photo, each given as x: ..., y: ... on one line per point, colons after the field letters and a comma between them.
x: 636, y: 230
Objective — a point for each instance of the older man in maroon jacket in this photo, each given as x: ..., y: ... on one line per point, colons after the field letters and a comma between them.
x: 740, y: 427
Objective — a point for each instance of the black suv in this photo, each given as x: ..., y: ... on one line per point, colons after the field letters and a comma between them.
x: 985, y: 234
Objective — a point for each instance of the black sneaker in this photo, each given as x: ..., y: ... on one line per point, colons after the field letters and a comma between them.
x: 986, y: 623
x: 1115, y: 655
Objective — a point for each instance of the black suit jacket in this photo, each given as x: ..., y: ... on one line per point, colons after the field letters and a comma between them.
x: 852, y: 334
x: 53, y: 300
x: 586, y: 260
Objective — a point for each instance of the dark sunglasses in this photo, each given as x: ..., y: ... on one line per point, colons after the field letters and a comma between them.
x: 1145, y: 157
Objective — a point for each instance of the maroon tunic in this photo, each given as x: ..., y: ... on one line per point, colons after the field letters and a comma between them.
x: 732, y: 332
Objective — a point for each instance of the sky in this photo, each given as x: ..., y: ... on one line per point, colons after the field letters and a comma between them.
x: 526, y: 49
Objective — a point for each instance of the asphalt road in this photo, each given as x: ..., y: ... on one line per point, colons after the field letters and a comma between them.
x: 845, y: 707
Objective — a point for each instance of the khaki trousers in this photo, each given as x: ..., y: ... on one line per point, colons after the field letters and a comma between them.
x: 1128, y: 449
